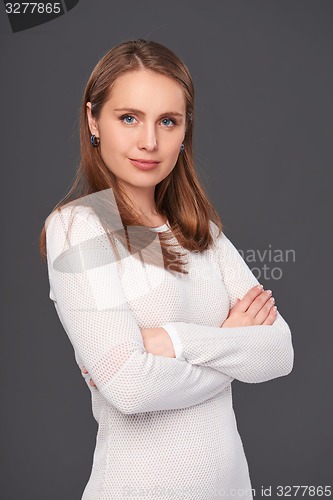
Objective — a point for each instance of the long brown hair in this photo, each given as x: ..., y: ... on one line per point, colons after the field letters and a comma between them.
x: 179, y: 197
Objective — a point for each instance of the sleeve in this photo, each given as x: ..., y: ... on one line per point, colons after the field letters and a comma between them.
x: 249, y: 353
x: 92, y: 308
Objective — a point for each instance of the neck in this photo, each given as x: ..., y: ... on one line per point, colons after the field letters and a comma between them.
x: 143, y: 200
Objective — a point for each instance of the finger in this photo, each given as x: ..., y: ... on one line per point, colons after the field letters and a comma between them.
x: 84, y: 370
x: 91, y: 382
x: 259, y: 303
x: 249, y: 297
x: 265, y: 310
x: 271, y: 317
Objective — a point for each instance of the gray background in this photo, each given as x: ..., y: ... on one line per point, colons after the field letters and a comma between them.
x: 263, y: 73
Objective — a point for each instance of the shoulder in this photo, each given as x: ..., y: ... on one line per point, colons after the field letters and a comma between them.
x: 70, y: 225
x: 75, y: 216
x: 222, y: 245
x: 218, y: 236
x: 64, y: 215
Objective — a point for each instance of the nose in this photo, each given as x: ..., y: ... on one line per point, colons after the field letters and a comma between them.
x: 147, y: 138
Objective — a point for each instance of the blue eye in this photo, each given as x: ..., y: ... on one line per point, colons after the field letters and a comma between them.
x: 126, y: 116
x: 170, y: 120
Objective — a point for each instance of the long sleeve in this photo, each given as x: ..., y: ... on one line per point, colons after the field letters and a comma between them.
x: 94, y: 312
x: 249, y: 354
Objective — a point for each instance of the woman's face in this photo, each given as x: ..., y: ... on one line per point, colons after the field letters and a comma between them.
x: 153, y: 132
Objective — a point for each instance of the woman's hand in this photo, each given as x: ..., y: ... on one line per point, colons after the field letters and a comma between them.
x: 85, y: 371
x: 156, y: 341
x: 255, y: 308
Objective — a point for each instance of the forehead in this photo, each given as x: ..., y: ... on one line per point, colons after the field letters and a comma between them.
x: 147, y: 88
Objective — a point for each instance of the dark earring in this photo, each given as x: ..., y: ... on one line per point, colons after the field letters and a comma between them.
x: 182, y: 147
x: 94, y: 141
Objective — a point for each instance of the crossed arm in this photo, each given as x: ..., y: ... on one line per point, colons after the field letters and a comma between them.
x: 115, y: 352
x: 255, y: 308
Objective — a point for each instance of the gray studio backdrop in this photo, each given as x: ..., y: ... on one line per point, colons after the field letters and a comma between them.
x: 263, y: 73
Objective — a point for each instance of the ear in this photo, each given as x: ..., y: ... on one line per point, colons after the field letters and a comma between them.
x: 92, y: 121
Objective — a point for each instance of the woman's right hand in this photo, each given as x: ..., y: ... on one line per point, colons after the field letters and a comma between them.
x: 84, y: 372
x: 255, y: 308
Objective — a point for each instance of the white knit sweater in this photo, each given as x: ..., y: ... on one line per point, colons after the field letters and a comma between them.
x: 166, y: 426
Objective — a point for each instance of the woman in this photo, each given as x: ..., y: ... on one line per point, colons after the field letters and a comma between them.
x: 159, y: 339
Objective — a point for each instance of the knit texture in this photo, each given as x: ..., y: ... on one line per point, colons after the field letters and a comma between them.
x: 166, y: 426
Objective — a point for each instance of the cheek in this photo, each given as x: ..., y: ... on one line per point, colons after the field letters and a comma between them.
x: 173, y: 153
x: 114, y: 142
x: 170, y: 146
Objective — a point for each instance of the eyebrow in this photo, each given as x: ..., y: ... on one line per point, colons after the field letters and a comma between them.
x: 138, y: 112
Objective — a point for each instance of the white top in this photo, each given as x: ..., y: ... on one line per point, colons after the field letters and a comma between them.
x: 167, y: 427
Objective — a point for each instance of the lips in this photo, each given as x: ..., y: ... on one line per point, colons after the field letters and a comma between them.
x: 144, y: 164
